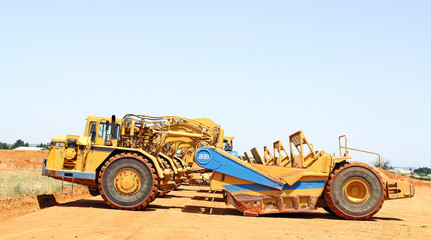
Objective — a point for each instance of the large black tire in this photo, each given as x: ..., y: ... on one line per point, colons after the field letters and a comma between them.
x: 93, y: 191
x: 139, y: 188
x: 354, y: 191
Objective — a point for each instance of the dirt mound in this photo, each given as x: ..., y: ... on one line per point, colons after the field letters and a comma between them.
x: 30, y: 162
x: 20, y: 164
x: 415, y: 182
x: 20, y: 159
x: 19, y: 155
x: 10, y: 208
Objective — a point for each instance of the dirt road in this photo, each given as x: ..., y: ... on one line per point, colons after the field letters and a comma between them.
x: 195, y: 213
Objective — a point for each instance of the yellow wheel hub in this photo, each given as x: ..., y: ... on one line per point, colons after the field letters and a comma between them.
x: 356, y: 190
x: 127, y: 181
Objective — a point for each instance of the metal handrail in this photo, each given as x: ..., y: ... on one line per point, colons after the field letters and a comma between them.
x: 401, y: 175
x: 355, y: 149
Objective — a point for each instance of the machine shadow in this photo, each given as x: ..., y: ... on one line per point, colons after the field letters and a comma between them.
x: 210, y: 210
x: 91, y: 203
x: 173, y: 196
x: 87, y: 203
x: 320, y: 215
x: 209, y: 191
x: 209, y: 199
x: 387, y: 218
x: 47, y: 201
x: 302, y: 215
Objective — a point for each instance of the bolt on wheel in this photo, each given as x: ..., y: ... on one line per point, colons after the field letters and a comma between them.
x: 127, y: 181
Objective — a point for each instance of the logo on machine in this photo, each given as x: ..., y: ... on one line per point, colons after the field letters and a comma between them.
x: 203, y: 157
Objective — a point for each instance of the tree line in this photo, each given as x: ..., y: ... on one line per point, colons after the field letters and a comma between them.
x: 20, y: 143
x: 422, y: 171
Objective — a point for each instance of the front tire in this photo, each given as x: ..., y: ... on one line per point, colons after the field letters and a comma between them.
x: 127, y: 181
x: 354, y: 191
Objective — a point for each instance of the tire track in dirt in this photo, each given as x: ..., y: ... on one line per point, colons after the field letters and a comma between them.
x: 196, y: 213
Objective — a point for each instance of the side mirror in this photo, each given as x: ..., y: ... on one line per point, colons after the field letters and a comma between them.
x: 93, y: 135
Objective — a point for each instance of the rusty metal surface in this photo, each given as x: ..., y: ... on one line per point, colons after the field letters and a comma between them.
x: 258, y: 205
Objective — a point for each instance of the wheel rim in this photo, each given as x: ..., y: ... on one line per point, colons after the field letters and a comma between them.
x: 127, y: 181
x: 356, y: 190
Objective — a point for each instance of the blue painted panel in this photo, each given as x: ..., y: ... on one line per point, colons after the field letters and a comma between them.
x: 44, y: 167
x: 233, y: 153
x: 258, y: 187
x: 82, y: 175
x: 230, y: 165
x: 203, y: 157
x: 67, y: 174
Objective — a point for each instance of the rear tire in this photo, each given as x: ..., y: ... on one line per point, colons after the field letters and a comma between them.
x: 127, y: 181
x: 354, y: 191
x: 327, y: 209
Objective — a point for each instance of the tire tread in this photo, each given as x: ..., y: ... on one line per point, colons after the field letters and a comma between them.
x: 117, y: 157
x: 327, y: 191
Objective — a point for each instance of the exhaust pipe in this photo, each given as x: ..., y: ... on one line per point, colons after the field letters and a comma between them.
x: 112, y: 135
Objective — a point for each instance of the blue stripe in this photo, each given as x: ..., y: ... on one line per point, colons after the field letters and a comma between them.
x: 230, y: 165
x: 81, y: 175
x: 258, y: 187
x: 44, y: 167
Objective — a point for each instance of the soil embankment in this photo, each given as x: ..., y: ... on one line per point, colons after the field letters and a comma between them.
x: 21, y: 159
x: 11, y: 208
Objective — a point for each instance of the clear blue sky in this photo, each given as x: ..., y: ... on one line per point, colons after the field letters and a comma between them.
x: 261, y: 69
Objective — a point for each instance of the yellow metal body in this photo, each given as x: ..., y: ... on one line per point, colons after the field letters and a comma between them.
x: 304, y: 176
x: 228, y: 143
x: 169, y: 145
x: 127, y: 181
x: 356, y: 190
x: 160, y: 140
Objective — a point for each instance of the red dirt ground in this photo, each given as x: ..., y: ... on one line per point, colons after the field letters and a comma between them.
x: 407, y: 178
x: 20, y: 159
x: 195, y: 213
x: 14, y: 155
x: 11, y: 208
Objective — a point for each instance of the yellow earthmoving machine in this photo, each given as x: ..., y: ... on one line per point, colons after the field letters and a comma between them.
x: 132, y: 160
x: 300, y: 181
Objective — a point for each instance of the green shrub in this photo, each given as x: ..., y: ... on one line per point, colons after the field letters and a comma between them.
x: 422, y: 178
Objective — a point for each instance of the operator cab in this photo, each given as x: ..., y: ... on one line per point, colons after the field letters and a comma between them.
x: 228, y: 146
x: 99, y: 129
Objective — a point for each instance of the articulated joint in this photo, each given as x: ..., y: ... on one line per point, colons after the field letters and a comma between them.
x: 167, y: 174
